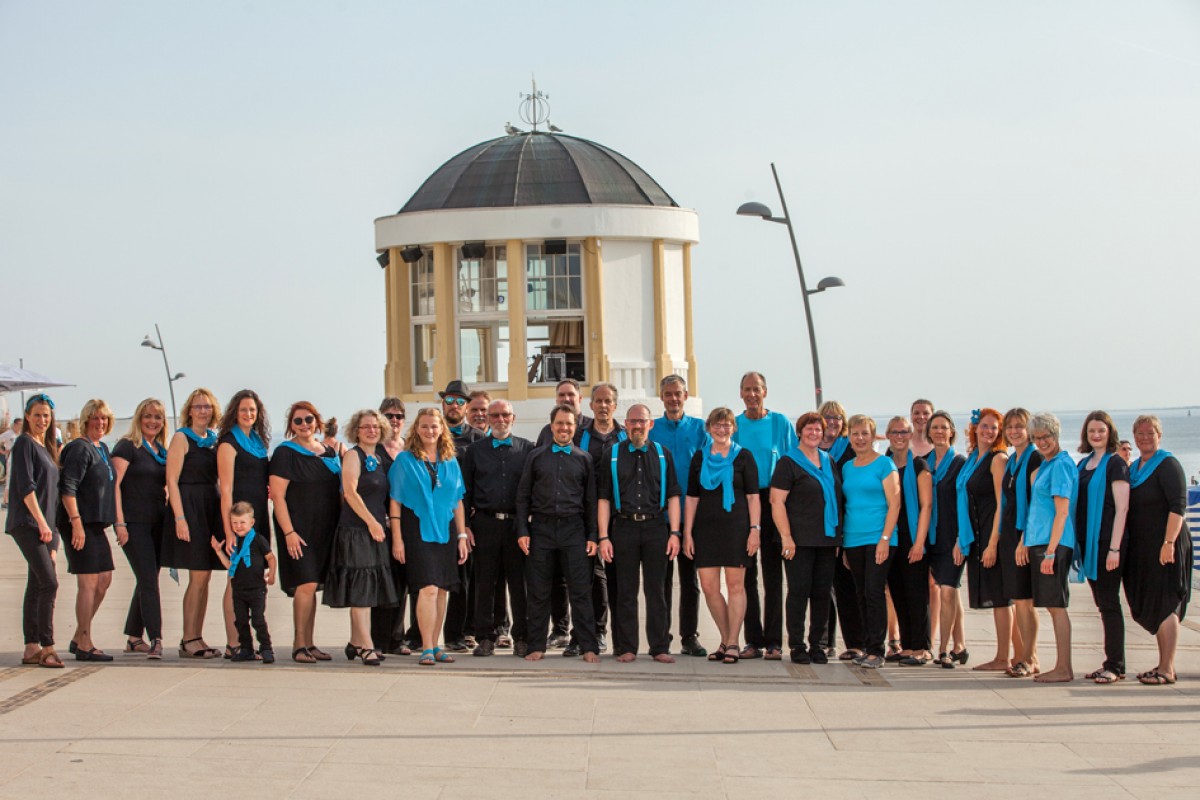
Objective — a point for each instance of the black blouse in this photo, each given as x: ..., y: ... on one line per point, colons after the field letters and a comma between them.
x: 806, y: 503
x: 86, y: 474
x: 143, y: 488
x: 30, y: 470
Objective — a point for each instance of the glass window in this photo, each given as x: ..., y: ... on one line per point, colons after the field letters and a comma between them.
x: 483, y: 282
x: 555, y: 349
x: 424, y: 353
x: 422, y: 287
x: 554, y: 282
x: 483, y: 351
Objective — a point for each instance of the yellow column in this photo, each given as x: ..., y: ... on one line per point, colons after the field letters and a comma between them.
x: 397, y: 375
x: 445, y: 367
x: 689, y: 341
x: 662, y: 360
x: 593, y: 266
x: 518, y: 366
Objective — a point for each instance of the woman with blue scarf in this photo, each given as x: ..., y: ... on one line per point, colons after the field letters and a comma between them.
x: 1049, y: 541
x: 1099, y: 530
x: 428, y: 525
x: 844, y: 608
x: 196, y: 507
x: 1015, y: 579
x: 242, y: 474
x: 980, y: 487
x: 806, y: 495
x: 945, y: 568
x: 908, y: 576
x: 140, y: 463
x: 1158, y: 561
x: 305, y: 483
x: 721, y: 526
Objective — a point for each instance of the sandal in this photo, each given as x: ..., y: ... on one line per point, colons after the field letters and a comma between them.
x: 750, y: 651
x: 156, y: 650
x: 203, y: 652
x: 442, y: 656
x: 731, y: 655
x: 893, y: 647
x: 870, y: 662
x: 318, y: 653
x: 50, y: 659
x: 1105, y: 676
x: 1018, y: 670
x: 428, y: 658
x: 136, y: 647
x: 718, y: 654
x: 301, y: 656
x: 773, y: 654
x: 850, y: 655
x: 369, y: 656
x: 36, y: 658
x: 1155, y: 678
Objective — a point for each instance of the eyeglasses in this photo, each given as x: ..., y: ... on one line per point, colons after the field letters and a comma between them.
x: 1043, y: 437
x: 638, y: 422
x: 368, y: 427
x: 834, y: 418
x: 899, y: 433
x: 308, y: 420
x: 454, y: 401
x: 198, y: 407
x: 393, y: 415
x: 499, y: 415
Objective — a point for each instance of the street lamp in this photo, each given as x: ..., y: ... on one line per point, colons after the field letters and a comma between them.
x: 762, y: 211
x: 148, y: 342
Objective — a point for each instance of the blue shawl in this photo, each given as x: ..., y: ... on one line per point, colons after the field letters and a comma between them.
x: 912, y: 498
x: 1138, y: 473
x: 939, y: 471
x: 717, y: 469
x: 252, y: 444
x: 209, y: 440
x: 241, y: 554
x: 966, y: 531
x: 434, y: 506
x: 1095, y: 511
x: 333, y: 463
x: 824, y: 476
x: 1020, y: 468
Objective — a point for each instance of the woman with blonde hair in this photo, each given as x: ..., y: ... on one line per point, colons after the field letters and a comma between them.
x: 945, y: 569
x: 1015, y: 579
x: 33, y: 493
x: 908, y: 576
x: 196, y: 506
x: 140, y: 462
x: 844, y: 610
x: 426, y: 491
x: 306, y: 479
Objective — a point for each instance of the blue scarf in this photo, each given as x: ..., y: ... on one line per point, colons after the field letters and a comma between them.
x: 241, y: 554
x: 823, y: 476
x: 210, y: 440
x: 434, y: 506
x: 1138, y: 473
x: 1095, y: 511
x: 939, y: 472
x: 717, y: 469
x: 838, y: 448
x: 333, y: 463
x: 912, y: 500
x: 252, y: 444
x: 1020, y: 468
x: 156, y: 450
x: 966, y: 531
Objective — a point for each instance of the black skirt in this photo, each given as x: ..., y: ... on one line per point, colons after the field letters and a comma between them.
x: 428, y: 563
x: 202, y: 510
x: 360, y: 571
x: 96, y: 555
x: 985, y: 586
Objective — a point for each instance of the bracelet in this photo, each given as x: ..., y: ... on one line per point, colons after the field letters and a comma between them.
x: 180, y: 519
x: 120, y: 525
x: 1165, y: 542
x: 75, y: 518
x: 604, y: 538
x: 1114, y: 549
x: 289, y: 533
x: 756, y: 527
x: 677, y: 534
x: 1047, y: 556
x: 462, y: 536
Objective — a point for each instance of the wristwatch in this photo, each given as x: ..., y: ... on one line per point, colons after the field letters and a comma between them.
x: 756, y: 527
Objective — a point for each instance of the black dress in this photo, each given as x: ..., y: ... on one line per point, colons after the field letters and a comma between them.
x: 201, y: 504
x: 720, y: 536
x: 428, y: 563
x: 1016, y: 580
x: 360, y: 568
x: 1156, y: 591
x: 86, y: 473
x: 143, y: 495
x: 314, y: 503
x: 941, y: 552
x: 985, y: 585
x: 250, y: 475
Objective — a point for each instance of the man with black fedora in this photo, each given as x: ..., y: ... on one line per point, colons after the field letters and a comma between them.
x: 460, y: 622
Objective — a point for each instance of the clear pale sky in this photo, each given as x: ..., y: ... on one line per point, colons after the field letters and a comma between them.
x: 1011, y: 191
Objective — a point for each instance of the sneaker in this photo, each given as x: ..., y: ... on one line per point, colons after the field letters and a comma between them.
x: 268, y: 655
x: 800, y: 656
x: 520, y: 648
x: 691, y: 647
x: 458, y: 646
x: 558, y: 640
x: 485, y: 648
x: 573, y: 649
x: 244, y: 654
x: 818, y: 656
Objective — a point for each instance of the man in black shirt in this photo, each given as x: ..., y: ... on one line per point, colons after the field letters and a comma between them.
x: 459, y: 617
x: 492, y: 469
x: 556, y: 522
x: 636, y: 482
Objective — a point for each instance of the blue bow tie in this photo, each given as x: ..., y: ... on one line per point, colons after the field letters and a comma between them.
x: 560, y: 448
x: 502, y: 442
x: 457, y: 430
x: 633, y: 449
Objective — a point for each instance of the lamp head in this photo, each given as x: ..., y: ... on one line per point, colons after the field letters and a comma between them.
x: 753, y: 209
x: 147, y: 342
x: 830, y: 282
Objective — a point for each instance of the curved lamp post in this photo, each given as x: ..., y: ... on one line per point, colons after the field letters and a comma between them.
x: 760, y: 210
x: 148, y: 342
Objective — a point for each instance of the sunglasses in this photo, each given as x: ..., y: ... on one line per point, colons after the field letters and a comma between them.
x: 454, y: 401
x: 308, y: 420
x: 394, y: 416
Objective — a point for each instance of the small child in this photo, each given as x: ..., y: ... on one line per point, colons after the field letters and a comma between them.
x: 251, y: 556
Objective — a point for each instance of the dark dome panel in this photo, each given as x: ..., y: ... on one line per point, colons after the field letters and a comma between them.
x: 537, y: 169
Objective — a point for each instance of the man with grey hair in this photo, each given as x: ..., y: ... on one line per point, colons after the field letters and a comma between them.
x: 683, y: 436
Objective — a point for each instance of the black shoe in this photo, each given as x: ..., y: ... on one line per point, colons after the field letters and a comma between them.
x: 558, y: 640
x: 691, y: 647
x: 800, y: 656
x: 818, y: 655
x: 351, y: 651
x: 961, y: 656
x: 520, y: 648
x: 268, y: 655
x: 573, y: 649
x: 458, y: 646
x: 602, y: 645
x: 485, y: 648
x: 242, y: 654
x: 72, y: 648
x: 91, y: 655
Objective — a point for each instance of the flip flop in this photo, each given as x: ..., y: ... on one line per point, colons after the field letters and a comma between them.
x: 1155, y: 678
x: 36, y: 658
x: 50, y: 660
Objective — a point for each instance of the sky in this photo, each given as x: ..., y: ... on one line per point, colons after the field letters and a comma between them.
x: 1009, y: 190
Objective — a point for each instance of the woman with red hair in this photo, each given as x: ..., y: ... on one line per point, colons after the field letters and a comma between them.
x: 981, y: 483
x: 305, y: 487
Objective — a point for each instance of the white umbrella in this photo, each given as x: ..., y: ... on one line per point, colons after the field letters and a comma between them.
x: 18, y: 379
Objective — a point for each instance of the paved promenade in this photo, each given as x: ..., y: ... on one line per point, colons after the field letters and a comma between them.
x: 500, y: 727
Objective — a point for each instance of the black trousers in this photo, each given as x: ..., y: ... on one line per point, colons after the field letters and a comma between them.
x: 250, y: 608
x: 498, y: 562
x: 909, y: 584
x: 809, y: 590
x: 460, y: 605
x: 640, y: 559
x: 562, y: 541
x: 143, y: 551
x: 849, y: 613
x: 560, y: 603
x: 764, y: 621
x: 689, y: 595
x: 1106, y: 591
x: 41, y: 585
x: 387, y: 623
x: 870, y: 580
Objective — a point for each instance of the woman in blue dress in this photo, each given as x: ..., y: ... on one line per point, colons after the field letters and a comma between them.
x: 1049, y: 542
